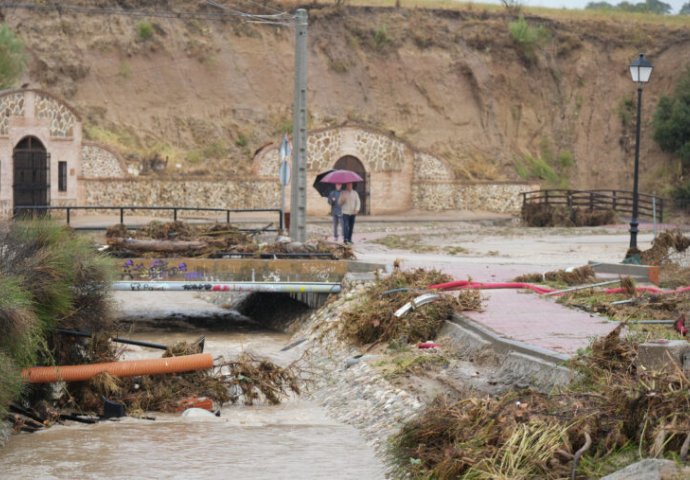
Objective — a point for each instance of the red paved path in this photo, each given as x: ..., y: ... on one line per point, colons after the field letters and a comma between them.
x: 539, y: 321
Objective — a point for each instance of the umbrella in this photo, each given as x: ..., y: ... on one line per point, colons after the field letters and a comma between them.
x: 341, y: 176
x: 323, y: 188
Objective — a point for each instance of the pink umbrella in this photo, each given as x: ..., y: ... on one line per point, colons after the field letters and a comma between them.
x: 341, y: 176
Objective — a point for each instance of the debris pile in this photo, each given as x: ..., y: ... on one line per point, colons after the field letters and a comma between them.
x: 373, y: 318
x: 665, y: 244
x: 578, y: 276
x: 546, y: 215
x: 527, y: 434
x: 174, y: 239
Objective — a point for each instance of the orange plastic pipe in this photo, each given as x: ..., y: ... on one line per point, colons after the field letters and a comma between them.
x: 130, y: 368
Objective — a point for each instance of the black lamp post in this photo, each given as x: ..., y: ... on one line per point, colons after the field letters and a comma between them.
x: 640, y: 70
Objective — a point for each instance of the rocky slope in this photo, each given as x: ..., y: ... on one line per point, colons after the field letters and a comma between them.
x: 208, y: 91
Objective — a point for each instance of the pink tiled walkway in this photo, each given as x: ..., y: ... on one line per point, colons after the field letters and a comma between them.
x: 539, y: 321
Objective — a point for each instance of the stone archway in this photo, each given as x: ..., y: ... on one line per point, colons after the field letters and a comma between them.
x: 349, y: 162
x: 31, y: 174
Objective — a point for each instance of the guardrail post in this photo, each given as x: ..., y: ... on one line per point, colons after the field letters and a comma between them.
x: 122, y: 216
x: 174, y: 214
x: 68, y: 209
x: 227, y: 216
x: 614, y: 200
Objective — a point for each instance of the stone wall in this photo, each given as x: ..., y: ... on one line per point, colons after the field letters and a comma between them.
x: 11, y: 105
x: 202, y: 193
x: 53, y: 123
x: 428, y: 167
x: 257, y: 193
x: 61, y: 119
x: 400, y: 179
x: 490, y: 197
x: 99, y: 162
x: 377, y: 151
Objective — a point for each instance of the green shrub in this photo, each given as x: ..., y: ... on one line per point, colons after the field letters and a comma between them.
x: 215, y: 150
x: 550, y: 166
x: 672, y: 121
x: 12, y: 57
x: 10, y: 382
x: 527, y: 37
x: 529, y: 167
x: 381, y: 38
x: 242, y: 140
x: 625, y: 111
x: 145, y: 30
x: 49, y: 278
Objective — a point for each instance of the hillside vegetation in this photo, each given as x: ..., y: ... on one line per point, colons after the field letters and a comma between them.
x: 499, y: 94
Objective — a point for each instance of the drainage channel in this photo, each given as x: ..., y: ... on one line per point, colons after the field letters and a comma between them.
x: 295, y: 439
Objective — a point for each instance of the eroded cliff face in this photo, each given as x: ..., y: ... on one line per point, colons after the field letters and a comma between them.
x: 208, y: 93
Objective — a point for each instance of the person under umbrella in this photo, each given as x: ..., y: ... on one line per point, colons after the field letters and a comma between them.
x: 336, y: 211
x: 350, y: 203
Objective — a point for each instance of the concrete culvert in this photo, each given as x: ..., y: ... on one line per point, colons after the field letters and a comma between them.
x: 278, y: 311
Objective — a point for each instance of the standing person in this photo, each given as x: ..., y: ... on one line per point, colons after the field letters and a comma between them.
x: 336, y: 210
x: 349, y: 200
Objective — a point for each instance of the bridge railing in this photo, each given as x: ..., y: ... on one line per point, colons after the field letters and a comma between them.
x: 620, y: 201
x: 121, y: 210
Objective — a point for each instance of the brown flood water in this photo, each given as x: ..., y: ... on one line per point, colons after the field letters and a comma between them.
x: 294, y: 440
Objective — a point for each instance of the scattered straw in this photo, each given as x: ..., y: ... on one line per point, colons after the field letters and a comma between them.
x: 526, y: 434
x: 372, y: 319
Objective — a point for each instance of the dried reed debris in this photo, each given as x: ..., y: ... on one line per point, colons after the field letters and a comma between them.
x: 527, y: 434
x: 372, y: 318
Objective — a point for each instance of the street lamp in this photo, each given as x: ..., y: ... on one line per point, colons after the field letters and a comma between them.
x: 640, y: 70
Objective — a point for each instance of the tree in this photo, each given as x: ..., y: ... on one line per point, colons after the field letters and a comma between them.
x: 672, y: 121
x: 658, y: 7
x: 685, y: 9
x: 599, y: 6
x: 648, y: 6
x: 12, y: 57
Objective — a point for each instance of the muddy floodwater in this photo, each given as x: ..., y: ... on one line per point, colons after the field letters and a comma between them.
x: 293, y: 440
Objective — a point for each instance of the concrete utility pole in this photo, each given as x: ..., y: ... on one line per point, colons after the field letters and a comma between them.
x: 298, y: 194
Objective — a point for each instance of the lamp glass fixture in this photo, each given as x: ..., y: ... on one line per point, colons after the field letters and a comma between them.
x: 641, y: 69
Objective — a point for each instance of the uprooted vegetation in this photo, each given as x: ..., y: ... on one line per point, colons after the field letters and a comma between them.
x: 545, y: 215
x: 373, y: 320
x: 577, y: 276
x: 247, y: 379
x: 55, y: 310
x: 613, y: 413
x: 174, y: 239
x: 50, y: 279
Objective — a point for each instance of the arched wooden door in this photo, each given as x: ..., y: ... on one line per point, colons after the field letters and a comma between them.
x: 348, y: 162
x: 31, y: 180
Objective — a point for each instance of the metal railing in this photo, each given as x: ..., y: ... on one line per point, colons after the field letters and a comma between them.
x: 46, y: 210
x: 620, y: 201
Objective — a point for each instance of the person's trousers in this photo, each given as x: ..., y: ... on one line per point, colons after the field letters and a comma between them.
x: 338, y: 220
x: 348, y: 226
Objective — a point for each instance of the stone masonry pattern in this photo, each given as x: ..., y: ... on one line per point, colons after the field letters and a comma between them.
x: 97, y: 162
x: 378, y: 152
x: 11, y: 105
x: 428, y: 167
x: 62, y: 120
x: 499, y: 198
x: 245, y: 193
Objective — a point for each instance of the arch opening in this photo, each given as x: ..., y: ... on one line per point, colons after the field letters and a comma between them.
x: 349, y: 162
x: 31, y: 177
